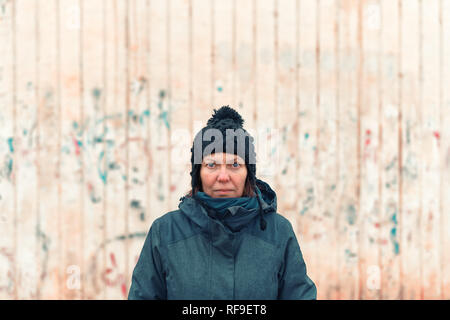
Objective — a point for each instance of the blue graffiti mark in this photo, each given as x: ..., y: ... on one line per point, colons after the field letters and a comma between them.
x: 164, y: 116
x: 101, y: 138
x: 140, y: 117
x: 92, y: 195
x: 303, y: 211
x: 96, y: 93
x: 43, y: 237
x: 48, y: 95
x: 9, y: 168
x: 309, y: 202
x: 349, y: 254
x: 65, y: 149
x: 145, y: 113
x: 394, y: 218
x: 10, y: 143
x: 274, y: 149
x: 103, y: 175
x: 394, y: 234
x: 138, y: 85
x: 351, y: 214
x: 113, y: 166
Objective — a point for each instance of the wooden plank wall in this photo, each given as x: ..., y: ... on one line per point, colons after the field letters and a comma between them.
x: 348, y: 101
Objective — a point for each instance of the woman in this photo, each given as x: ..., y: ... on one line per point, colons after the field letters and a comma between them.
x: 226, y: 240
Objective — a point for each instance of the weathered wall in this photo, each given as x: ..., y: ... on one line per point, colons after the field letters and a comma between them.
x: 348, y: 101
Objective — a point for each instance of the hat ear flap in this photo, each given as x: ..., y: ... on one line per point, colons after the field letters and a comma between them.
x: 196, y: 182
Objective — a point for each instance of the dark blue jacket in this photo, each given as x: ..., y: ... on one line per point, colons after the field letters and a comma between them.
x: 190, y: 255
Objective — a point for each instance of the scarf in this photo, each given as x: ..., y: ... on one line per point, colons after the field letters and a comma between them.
x: 217, y: 209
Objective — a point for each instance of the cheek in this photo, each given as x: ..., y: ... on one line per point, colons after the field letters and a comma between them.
x: 207, y: 178
x: 240, y: 179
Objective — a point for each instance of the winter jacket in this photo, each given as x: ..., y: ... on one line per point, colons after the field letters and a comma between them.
x: 188, y: 254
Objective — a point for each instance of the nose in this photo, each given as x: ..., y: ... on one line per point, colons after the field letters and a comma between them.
x: 223, y: 175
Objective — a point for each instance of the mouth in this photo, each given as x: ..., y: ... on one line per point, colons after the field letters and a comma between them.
x: 223, y: 190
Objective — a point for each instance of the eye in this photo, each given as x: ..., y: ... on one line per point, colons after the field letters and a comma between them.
x: 236, y: 165
x: 210, y: 164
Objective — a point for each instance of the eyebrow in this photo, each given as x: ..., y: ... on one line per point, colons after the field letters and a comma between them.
x: 213, y: 159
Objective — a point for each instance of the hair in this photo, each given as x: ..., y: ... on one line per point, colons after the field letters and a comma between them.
x: 249, y: 190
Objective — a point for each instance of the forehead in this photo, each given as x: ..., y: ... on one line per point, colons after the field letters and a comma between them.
x: 223, y: 157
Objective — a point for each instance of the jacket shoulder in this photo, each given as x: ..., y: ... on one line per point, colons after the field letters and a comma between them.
x: 168, y: 217
x: 174, y: 226
x: 278, y: 231
x: 282, y: 223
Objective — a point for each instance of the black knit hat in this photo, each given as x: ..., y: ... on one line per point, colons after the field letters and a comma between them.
x: 224, y: 132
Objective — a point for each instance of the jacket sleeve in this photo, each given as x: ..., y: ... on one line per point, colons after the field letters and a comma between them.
x: 294, y: 282
x: 148, y: 279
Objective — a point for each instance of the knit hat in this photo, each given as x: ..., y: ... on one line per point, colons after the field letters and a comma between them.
x: 224, y: 132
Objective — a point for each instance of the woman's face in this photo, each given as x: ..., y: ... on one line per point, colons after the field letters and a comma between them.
x: 223, y: 175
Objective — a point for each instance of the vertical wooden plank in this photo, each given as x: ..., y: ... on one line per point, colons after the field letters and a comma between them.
x: 138, y: 120
x: 27, y: 172
x: 160, y: 109
x: 111, y: 163
x: 445, y: 148
x: 71, y: 160
x: 360, y: 90
x: 348, y: 146
x: 92, y: 59
x: 265, y: 103
x: 222, y: 46
x: 180, y: 156
x: 390, y: 212
x: 60, y: 253
x: 8, y: 149
x: 336, y: 207
x: 430, y: 145
x: 82, y: 142
x: 243, y: 66
x: 306, y: 175
x: 146, y: 115
x: 326, y: 232
x: 411, y: 114
x: 370, y: 270
x: 160, y: 99
x: 48, y: 119
x: 101, y: 263
x: 202, y: 67
x: 285, y: 15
